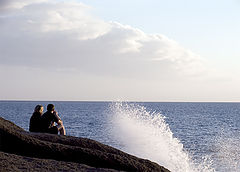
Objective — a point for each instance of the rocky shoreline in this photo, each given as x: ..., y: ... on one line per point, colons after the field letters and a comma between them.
x: 24, y: 151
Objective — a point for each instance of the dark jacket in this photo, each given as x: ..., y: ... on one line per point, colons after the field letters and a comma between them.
x: 48, y: 120
x: 35, y: 122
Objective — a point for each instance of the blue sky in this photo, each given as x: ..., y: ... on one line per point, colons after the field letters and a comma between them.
x: 134, y: 50
x: 209, y: 28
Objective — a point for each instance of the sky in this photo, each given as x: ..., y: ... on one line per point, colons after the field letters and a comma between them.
x: 138, y: 50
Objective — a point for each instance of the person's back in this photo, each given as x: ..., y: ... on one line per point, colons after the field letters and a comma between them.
x: 35, y: 124
x: 48, y: 119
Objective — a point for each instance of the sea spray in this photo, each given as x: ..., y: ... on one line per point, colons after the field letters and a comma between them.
x: 226, y: 151
x: 147, y: 135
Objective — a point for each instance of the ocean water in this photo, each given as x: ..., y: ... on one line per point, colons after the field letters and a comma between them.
x: 183, y: 137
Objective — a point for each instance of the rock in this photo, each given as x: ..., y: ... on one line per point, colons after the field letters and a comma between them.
x: 14, y: 163
x: 23, y: 151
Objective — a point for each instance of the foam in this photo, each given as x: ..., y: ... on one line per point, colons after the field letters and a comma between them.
x: 147, y: 135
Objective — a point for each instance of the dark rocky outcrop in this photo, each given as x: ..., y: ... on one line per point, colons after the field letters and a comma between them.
x: 23, y: 151
x: 15, y: 163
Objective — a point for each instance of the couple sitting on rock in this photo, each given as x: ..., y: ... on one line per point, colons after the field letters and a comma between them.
x: 45, y: 123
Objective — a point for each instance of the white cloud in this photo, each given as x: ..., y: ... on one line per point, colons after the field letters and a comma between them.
x: 9, y: 5
x: 45, y: 32
x: 63, y: 36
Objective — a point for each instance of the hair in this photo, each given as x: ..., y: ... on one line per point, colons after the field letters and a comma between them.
x: 38, y: 108
x: 50, y: 107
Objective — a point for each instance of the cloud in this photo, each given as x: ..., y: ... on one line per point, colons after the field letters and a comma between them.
x: 64, y: 35
x: 3, y: 3
x: 13, y: 4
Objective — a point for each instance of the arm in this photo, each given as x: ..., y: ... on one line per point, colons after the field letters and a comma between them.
x: 60, y: 122
x: 60, y: 126
x: 57, y: 118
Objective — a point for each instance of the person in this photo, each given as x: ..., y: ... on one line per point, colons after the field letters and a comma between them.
x: 49, y: 119
x: 35, y: 120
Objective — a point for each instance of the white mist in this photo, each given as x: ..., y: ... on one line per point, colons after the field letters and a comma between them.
x: 148, y: 136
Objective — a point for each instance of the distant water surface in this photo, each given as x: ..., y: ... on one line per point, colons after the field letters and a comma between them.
x: 181, y: 136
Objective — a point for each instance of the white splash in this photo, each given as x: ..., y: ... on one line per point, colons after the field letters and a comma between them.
x: 148, y: 136
x: 226, y: 152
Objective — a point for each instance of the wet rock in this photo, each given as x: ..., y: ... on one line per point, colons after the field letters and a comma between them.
x: 21, y: 150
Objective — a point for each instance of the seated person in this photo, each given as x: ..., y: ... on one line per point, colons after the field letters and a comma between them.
x: 35, y: 120
x: 49, y: 118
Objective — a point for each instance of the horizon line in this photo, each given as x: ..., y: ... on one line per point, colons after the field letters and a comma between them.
x: 137, y: 101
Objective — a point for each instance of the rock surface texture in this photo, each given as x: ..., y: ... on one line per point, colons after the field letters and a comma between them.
x: 24, y: 151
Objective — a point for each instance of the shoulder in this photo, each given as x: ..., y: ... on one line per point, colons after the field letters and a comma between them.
x: 46, y: 114
x: 56, y: 117
x: 35, y: 115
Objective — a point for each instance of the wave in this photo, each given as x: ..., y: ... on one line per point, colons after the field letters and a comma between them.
x: 147, y: 135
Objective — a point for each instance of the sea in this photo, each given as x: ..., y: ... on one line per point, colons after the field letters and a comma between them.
x: 183, y: 137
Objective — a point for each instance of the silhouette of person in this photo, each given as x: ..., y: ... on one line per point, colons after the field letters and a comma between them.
x: 35, y: 124
x: 49, y: 119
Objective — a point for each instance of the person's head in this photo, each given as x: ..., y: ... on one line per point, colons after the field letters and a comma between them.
x: 39, y: 108
x: 50, y: 107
